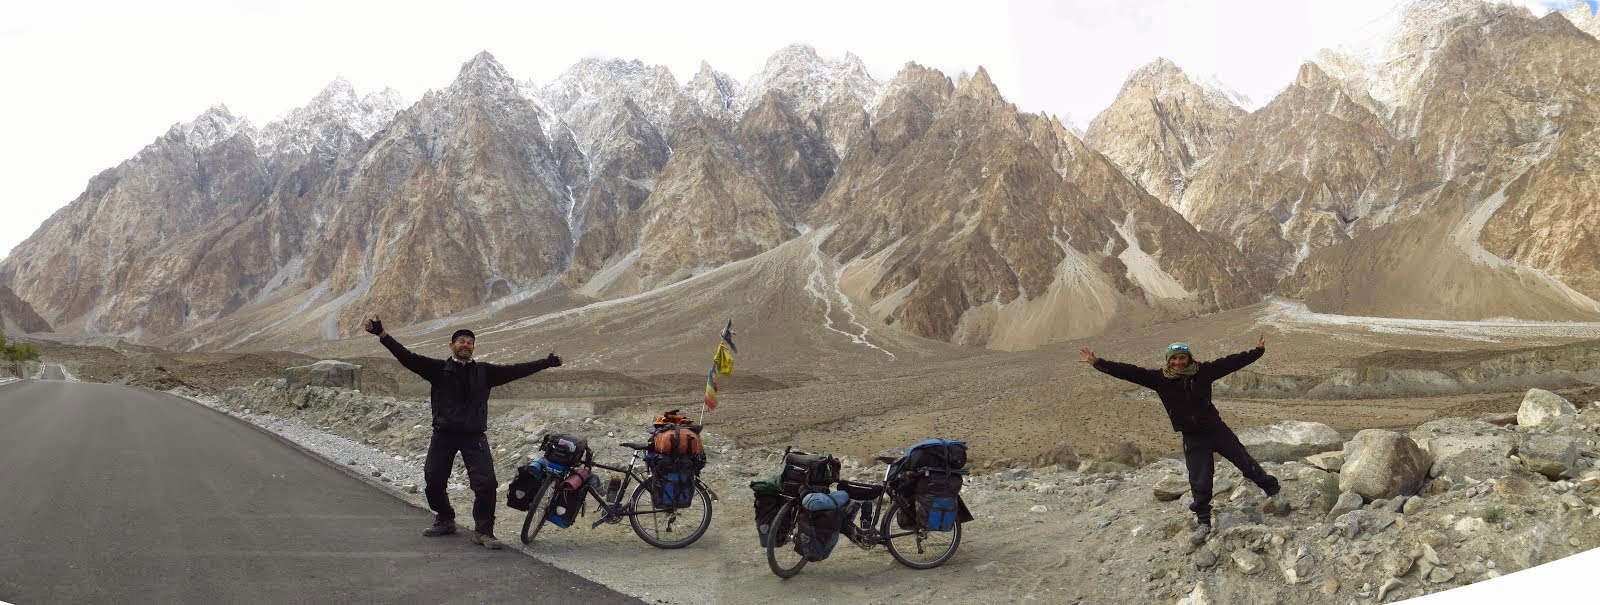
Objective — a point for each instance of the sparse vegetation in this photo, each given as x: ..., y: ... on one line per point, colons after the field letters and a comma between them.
x: 19, y: 351
x: 1492, y: 514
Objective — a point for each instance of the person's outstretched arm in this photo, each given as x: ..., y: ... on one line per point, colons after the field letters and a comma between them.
x: 1235, y: 362
x: 499, y: 374
x: 419, y: 365
x: 1140, y: 376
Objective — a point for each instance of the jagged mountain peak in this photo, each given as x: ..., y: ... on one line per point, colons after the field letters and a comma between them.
x: 212, y: 126
x: 320, y: 122
x: 1585, y: 18
x: 712, y: 91
x: 809, y: 80
x: 979, y: 84
x: 1162, y: 78
x: 1312, y: 76
x: 484, y: 75
x: 1161, y: 69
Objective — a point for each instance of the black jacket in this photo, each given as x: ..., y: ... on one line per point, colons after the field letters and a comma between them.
x: 1187, y: 398
x: 460, y: 391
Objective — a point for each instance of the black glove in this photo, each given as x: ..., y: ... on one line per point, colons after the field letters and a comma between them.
x: 374, y: 326
x: 553, y: 360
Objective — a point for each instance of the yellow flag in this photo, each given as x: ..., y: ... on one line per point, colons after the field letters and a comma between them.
x: 723, y: 360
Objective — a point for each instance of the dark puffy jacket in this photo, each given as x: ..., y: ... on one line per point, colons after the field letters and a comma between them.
x: 460, y: 391
x: 1187, y: 398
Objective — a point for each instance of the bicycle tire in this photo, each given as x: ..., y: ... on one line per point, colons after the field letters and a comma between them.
x: 889, y: 534
x: 786, y: 523
x: 530, y: 526
x: 641, y: 493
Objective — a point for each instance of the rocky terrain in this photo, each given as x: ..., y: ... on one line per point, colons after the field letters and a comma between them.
x: 1381, y: 516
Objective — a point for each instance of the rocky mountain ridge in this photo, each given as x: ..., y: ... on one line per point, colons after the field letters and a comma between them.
x: 949, y: 213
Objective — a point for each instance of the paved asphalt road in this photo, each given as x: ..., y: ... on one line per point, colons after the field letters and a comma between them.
x: 112, y: 494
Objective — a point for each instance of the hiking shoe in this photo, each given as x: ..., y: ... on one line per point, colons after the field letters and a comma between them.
x: 1277, y: 505
x: 487, y: 541
x: 440, y: 528
x: 1198, y: 536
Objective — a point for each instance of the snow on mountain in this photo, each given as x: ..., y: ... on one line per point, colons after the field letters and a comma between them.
x: 321, y: 123
x: 595, y: 81
x: 214, y: 126
x: 809, y: 81
x: 713, y: 91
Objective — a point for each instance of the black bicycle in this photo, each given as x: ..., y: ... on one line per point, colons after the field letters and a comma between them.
x: 661, y: 526
x: 896, y: 527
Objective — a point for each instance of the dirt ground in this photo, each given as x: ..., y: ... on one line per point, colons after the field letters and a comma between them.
x: 1016, y: 407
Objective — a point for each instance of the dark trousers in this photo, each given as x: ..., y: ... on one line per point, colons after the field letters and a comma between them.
x: 474, y: 448
x: 1197, y: 449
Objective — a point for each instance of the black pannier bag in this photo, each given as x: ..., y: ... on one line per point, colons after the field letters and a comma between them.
x: 818, y: 530
x: 804, y: 472
x: 672, y: 478
x: 568, y: 500
x: 565, y: 451
x: 937, y: 497
x: 768, y: 499
x: 520, y: 492
x: 927, y: 484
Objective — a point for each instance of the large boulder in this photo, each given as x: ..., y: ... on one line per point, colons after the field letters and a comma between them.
x: 1466, y: 448
x: 1542, y: 409
x: 1383, y: 464
x: 1289, y: 440
x: 1553, y: 456
x: 325, y: 373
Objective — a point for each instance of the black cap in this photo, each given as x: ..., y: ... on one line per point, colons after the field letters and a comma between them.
x: 463, y: 332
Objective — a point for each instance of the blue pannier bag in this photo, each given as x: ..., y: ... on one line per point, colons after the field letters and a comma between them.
x: 672, y: 478
x: 822, y: 515
x: 937, y: 495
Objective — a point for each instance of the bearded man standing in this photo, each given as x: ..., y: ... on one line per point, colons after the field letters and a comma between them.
x: 459, y: 396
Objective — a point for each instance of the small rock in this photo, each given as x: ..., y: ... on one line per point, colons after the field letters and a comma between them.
x: 1248, y: 562
x: 1198, y: 596
x: 1391, y: 584
x: 1412, y: 506
x: 1573, y: 542
x: 1440, y: 575
x: 1102, y: 524
x: 1170, y: 487
x: 1507, y: 525
x: 377, y: 473
x: 1206, y: 559
x: 410, y: 488
x: 1330, y: 586
x: 352, y: 462
x: 1038, y: 508
x: 988, y: 567
x: 1348, y: 501
x: 1512, y: 485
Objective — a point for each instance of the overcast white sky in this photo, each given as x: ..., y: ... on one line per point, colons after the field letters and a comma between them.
x: 89, y: 83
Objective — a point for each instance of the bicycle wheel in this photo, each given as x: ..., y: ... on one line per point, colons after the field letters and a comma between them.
x: 918, y: 548
x: 538, y: 508
x: 674, y: 528
x: 782, y: 557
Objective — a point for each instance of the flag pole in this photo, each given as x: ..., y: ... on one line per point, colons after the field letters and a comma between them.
x: 722, y: 362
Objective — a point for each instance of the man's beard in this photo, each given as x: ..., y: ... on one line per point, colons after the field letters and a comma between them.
x: 464, y: 355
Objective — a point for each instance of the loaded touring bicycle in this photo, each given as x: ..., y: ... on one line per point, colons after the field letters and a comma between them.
x: 916, y: 512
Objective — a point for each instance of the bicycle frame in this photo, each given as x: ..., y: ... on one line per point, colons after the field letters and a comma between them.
x: 613, y: 511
